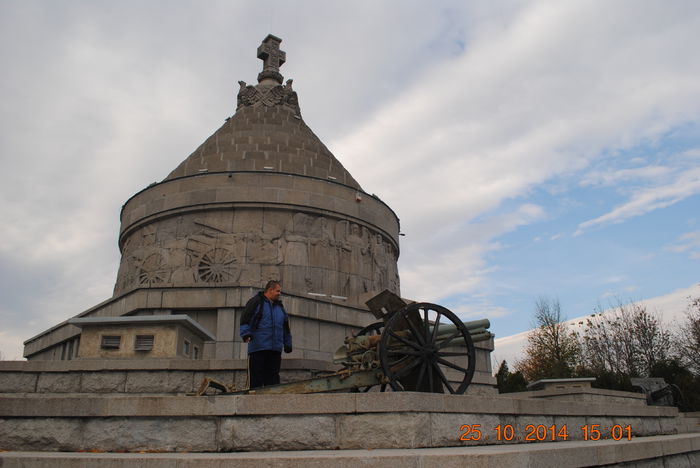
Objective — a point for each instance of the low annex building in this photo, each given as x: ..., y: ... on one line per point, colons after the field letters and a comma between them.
x: 141, y: 336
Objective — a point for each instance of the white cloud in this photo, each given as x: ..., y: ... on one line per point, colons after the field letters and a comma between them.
x: 688, y: 242
x: 616, y: 177
x: 649, y: 199
x: 613, y: 279
x: 452, y: 112
x: 521, y: 106
x: 10, y: 345
x: 459, y: 266
x: 479, y: 311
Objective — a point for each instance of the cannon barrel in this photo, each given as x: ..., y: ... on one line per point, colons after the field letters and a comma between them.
x: 474, y: 326
x: 477, y: 329
x: 481, y: 336
x: 483, y: 323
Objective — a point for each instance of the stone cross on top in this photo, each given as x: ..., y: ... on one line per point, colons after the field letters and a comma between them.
x: 273, y: 58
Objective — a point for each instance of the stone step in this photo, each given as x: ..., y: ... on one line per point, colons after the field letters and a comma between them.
x: 309, y: 422
x: 688, y: 424
x: 669, y: 450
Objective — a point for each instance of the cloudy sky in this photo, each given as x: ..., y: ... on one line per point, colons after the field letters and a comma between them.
x: 529, y: 147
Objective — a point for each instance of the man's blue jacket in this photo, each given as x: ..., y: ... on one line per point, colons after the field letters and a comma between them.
x: 267, y: 324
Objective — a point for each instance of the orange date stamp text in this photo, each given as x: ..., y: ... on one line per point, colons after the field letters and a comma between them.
x: 543, y: 433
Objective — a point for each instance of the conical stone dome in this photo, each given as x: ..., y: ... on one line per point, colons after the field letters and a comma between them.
x: 262, y: 198
x: 266, y: 133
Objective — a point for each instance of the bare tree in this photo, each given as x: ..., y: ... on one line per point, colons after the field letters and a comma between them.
x: 628, y: 341
x: 552, y: 349
x: 688, y: 337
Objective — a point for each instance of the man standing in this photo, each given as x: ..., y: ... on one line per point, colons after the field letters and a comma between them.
x: 265, y: 327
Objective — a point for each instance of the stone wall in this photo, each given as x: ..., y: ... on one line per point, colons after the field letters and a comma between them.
x: 585, y: 394
x: 157, y: 376
x: 163, y: 376
x: 318, y: 324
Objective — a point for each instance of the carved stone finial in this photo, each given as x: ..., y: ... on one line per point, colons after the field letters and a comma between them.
x: 270, y: 91
x: 273, y: 58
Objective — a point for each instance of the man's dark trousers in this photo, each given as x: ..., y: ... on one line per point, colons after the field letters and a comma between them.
x: 264, y: 368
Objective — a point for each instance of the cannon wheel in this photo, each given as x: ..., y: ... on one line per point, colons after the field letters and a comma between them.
x: 371, y: 329
x: 414, y: 357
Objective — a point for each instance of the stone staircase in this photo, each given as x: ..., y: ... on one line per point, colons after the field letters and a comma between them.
x: 402, y: 429
x: 682, y: 450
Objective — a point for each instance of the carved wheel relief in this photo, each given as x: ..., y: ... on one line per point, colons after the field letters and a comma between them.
x: 218, y: 266
x: 153, y: 270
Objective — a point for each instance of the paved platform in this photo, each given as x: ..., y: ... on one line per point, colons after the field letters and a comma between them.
x: 682, y: 450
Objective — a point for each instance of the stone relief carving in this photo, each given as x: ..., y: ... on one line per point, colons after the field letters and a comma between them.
x: 280, y: 95
x: 380, y: 259
x: 357, y: 243
x: 265, y: 249
x: 324, y: 250
x: 218, y: 266
x: 153, y: 270
x: 309, y: 253
x: 297, y: 239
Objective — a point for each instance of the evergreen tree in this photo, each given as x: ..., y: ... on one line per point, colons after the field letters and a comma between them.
x: 508, y: 382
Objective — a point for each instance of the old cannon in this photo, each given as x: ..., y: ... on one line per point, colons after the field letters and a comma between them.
x: 419, y: 346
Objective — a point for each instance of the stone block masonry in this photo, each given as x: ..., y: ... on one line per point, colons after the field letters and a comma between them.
x: 346, y: 421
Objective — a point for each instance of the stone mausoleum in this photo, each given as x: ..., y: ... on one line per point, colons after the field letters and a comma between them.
x: 262, y: 198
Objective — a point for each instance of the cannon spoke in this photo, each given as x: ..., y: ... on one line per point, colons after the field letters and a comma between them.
x: 404, y: 371
x: 421, y: 374
x: 452, y: 353
x: 452, y: 365
x: 430, y: 379
x: 415, y: 332
x: 426, y: 322
x: 446, y: 340
x: 404, y: 352
x: 443, y: 378
x: 404, y: 341
x: 436, y: 325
